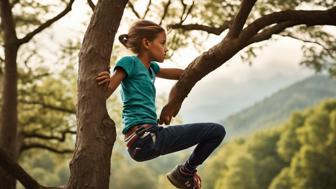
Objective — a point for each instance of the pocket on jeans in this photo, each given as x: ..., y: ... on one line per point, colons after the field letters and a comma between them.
x: 145, y: 149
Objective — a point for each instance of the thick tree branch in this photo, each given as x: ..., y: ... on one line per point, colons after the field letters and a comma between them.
x: 133, y: 9
x: 240, y: 19
x: 91, y: 4
x: 228, y: 47
x: 267, y: 33
x: 43, y: 26
x: 310, y: 18
x: 45, y: 147
x: 49, y: 106
x: 209, y: 29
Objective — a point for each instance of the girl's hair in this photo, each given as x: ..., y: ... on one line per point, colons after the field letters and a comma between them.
x: 139, y: 30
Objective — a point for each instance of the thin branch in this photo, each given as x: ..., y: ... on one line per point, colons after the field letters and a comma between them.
x: 41, y: 146
x: 165, y: 11
x: 209, y: 29
x: 305, y: 40
x: 329, y: 51
x: 188, y: 12
x: 30, y: 70
x: 91, y: 4
x: 43, y: 26
x: 46, y: 137
x: 41, y: 75
x: 133, y: 9
x: 147, y: 9
x: 239, y: 21
x: 184, y: 9
x: 49, y: 106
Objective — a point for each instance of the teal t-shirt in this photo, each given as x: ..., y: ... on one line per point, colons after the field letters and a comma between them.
x: 137, y: 91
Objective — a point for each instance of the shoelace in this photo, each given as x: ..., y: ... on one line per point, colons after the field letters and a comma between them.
x: 197, y: 181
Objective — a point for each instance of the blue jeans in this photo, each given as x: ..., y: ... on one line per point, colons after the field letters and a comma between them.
x: 164, y: 140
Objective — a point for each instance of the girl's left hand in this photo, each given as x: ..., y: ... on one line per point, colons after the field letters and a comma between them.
x: 168, y: 111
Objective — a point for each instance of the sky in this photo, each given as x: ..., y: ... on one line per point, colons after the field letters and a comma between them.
x: 228, y: 89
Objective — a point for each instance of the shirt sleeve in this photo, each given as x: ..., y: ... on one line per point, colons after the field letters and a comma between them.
x: 126, y: 63
x: 155, y: 67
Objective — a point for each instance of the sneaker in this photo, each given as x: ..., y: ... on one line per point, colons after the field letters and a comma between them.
x: 185, y: 180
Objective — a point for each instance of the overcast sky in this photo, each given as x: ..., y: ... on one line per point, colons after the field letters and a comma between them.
x: 224, y: 91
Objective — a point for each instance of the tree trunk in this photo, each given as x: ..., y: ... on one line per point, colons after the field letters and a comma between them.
x: 96, y: 133
x: 9, y: 114
x: 8, y: 124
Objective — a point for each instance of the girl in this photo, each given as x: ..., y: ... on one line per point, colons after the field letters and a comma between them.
x: 144, y: 137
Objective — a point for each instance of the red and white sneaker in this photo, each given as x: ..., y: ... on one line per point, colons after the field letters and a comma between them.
x: 184, y: 180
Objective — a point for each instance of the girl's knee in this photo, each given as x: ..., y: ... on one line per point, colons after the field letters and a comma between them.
x: 219, y: 130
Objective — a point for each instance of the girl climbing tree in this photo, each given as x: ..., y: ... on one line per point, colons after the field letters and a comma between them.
x: 144, y: 138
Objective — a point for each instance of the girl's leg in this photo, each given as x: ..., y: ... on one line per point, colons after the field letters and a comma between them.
x: 169, y: 139
x: 208, y: 136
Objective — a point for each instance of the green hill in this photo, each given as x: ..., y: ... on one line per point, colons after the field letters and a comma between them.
x: 299, y: 153
x: 277, y: 107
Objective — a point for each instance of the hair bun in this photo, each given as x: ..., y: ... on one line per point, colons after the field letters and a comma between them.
x: 123, y: 39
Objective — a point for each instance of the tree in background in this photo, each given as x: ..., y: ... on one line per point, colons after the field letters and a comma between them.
x: 12, y: 25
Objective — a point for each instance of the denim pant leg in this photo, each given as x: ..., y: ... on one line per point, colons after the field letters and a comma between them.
x: 208, y: 136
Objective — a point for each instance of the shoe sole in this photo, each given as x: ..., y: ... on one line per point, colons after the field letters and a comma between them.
x: 172, y: 182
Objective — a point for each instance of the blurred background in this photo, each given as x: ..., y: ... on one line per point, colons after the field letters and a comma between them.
x: 276, y: 99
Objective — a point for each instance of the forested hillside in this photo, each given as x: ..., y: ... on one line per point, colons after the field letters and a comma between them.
x: 279, y: 106
x: 300, y: 154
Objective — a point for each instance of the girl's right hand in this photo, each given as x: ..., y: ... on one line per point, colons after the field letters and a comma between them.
x: 110, y: 83
x: 103, y: 79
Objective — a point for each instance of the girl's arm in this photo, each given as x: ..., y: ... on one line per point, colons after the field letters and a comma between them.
x: 110, y: 83
x: 170, y: 73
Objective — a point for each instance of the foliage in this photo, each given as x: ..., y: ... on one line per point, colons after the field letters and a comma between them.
x: 299, y: 154
x: 132, y: 177
x: 316, y: 42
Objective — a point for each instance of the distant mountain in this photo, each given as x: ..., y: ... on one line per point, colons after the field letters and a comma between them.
x: 277, y: 107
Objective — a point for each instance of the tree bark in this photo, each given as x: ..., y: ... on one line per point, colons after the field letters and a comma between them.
x: 8, y: 125
x: 96, y: 132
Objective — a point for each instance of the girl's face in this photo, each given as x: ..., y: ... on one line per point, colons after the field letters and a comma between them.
x: 157, y: 48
